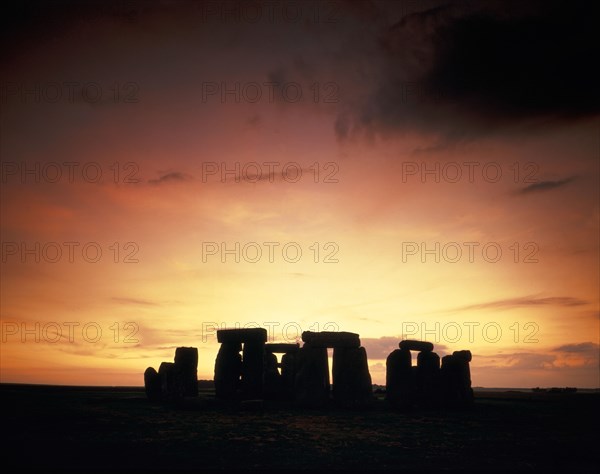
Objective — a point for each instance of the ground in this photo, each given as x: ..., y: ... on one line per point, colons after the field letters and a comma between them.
x: 82, y: 428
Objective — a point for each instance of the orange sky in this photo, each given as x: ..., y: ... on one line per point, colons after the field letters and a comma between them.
x: 530, y: 319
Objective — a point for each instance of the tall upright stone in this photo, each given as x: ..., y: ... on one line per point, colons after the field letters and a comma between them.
x: 186, y: 365
x: 252, y: 364
x: 170, y: 383
x: 152, y: 384
x: 449, y: 381
x: 253, y: 355
x: 463, y: 374
x: 228, y: 371
x: 399, y: 378
x: 352, y: 386
x: 288, y: 373
x: 273, y: 379
x: 428, y: 375
x: 311, y: 387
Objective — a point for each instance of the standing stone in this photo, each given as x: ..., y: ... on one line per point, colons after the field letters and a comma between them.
x: 463, y: 374
x: 420, y: 346
x: 364, y: 383
x: 171, y: 384
x: 288, y: 373
x: 186, y: 363
x: 352, y: 386
x: 449, y: 381
x: 152, y: 384
x: 464, y: 355
x: 428, y: 374
x: 311, y: 387
x: 228, y: 370
x: 399, y: 377
x: 253, y: 369
x: 252, y: 363
x: 273, y: 381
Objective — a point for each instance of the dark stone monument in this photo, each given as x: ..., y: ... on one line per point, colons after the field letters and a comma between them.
x: 428, y: 374
x: 420, y: 346
x: 409, y: 385
x: 449, y: 381
x: 351, y: 382
x: 463, y: 374
x: 273, y: 380
x: 455, y: 378
x: 152, y: 384
x: 228, y: 370
x: 311, y: 385
x: 242, y: 335
x: 252, y: 369
x: 280, y: 384
x: 288, y: 374
x: 171, y: 385
x: 331, y: 339
x: 398, y: 376
x: 253, y: 355
x: 186, y: 365
x: 464, y: 355
x: 352, y: 386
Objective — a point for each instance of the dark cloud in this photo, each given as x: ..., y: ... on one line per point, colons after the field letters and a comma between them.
x: 564, y: 357
x: 583, y: 347
x: 170, y: 177
x: 523, y: 302
x: 545, y: 185
x: 134, y: 301
x: 458, y: 72
x: 517, y: 360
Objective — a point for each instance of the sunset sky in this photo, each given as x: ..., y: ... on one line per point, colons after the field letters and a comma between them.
x: 435, y: 163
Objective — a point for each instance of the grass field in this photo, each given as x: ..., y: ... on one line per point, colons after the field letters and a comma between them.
x: 84, y: 428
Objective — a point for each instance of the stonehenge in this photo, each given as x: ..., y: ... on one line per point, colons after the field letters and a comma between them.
x: 455, y: 376
x: 228, y: 370
x: 331, y: 339
x: 240, y: 377
x: 186, y: 365
x: 301, y: 375
x: 421, y: 346
x: 247, y: 369
x: 152, y: 384
x: 351, y: 382
x: 174, y: 380
x: 429, y: 384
